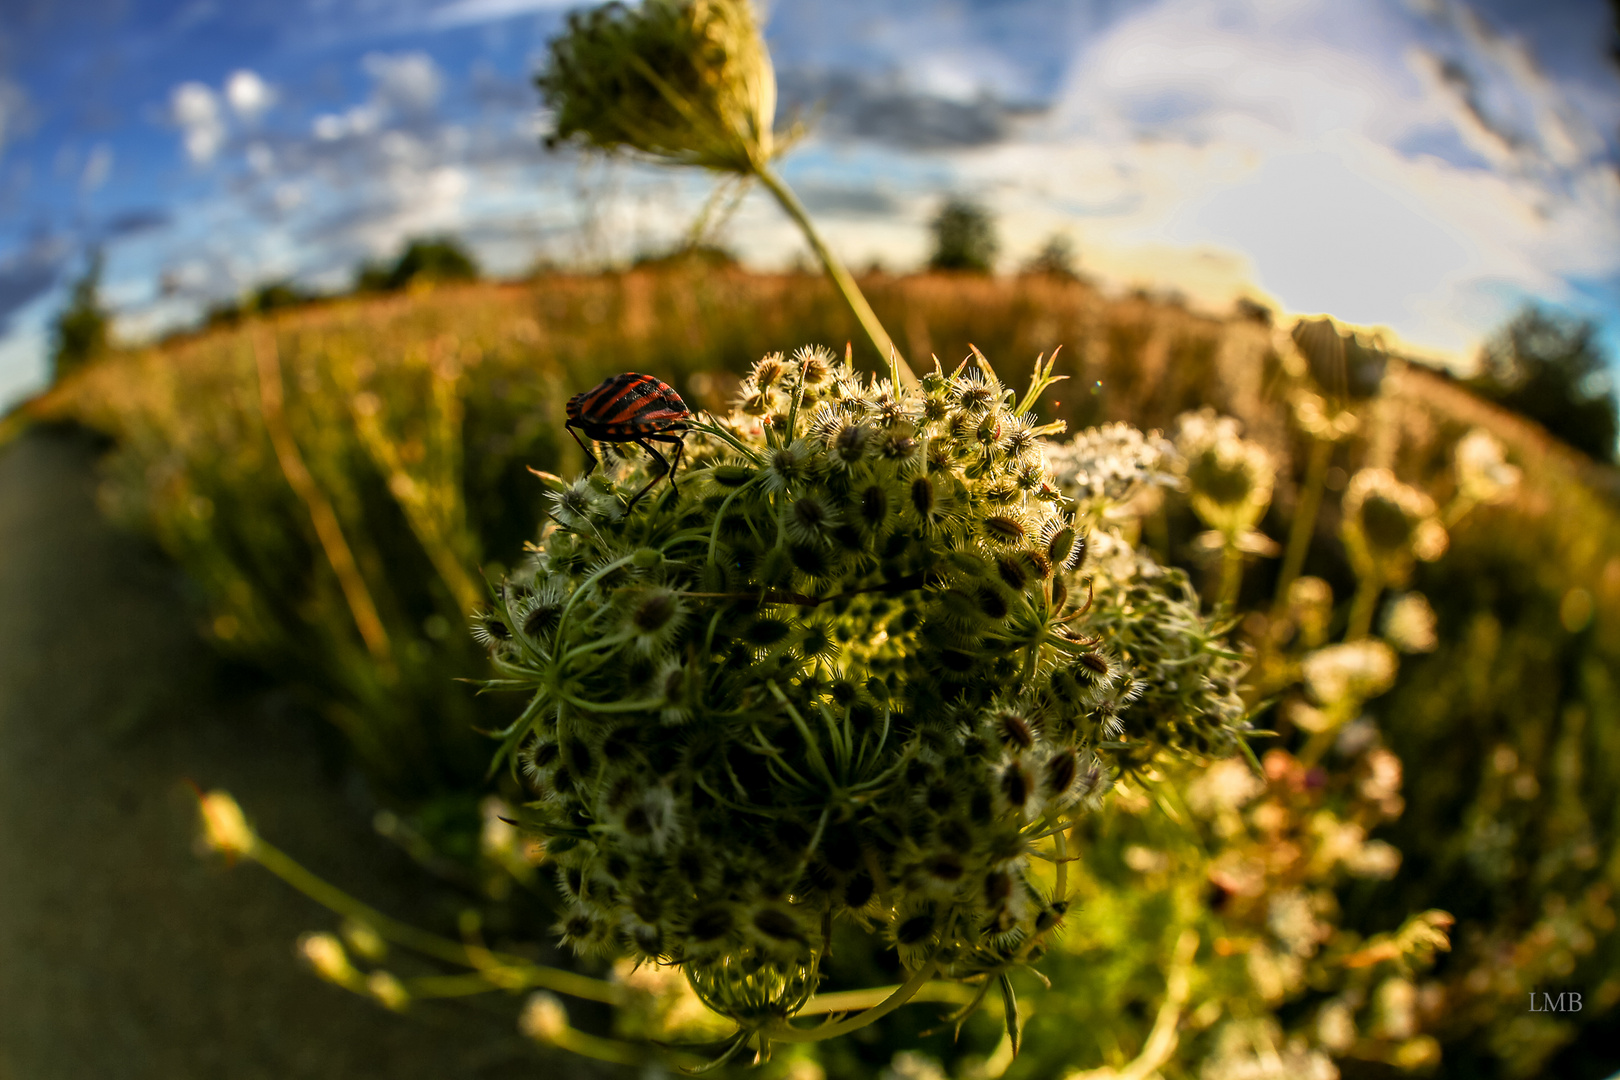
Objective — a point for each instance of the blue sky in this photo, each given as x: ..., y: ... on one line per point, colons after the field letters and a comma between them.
x: 1423, y: 165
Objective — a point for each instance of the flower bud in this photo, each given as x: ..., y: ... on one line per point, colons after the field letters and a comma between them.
x: 225, y: 829
x: 324, y: 953
x: 544, y: 1018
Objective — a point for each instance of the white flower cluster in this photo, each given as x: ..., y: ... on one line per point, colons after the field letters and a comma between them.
x: 1410, y: 625
x: 1349, y: 673
x: 1483, y: 474
x: 1102, y: 468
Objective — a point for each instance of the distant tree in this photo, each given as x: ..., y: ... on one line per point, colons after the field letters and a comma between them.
x: 271, y: 296
x: 1548, y: 365
x: 1055, y: 259
x: 80, y: 332
x: 278, y: 294
x: 372, y: 276
x: 223, y: 313
x: 441, y: 259
x: 692, y: 256
x: 432, y: 259
x: 964, y: 238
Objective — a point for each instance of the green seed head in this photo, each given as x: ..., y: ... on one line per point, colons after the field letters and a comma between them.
x: 861, y: 598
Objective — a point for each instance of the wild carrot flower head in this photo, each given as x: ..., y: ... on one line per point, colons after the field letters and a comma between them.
x: 1104, y: 467
x: 831, y: 680
x: 684, y: 81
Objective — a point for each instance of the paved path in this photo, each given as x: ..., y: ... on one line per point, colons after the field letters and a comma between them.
x: 122, y: 954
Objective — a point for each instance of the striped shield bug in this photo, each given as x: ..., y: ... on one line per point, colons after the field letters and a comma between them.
x: 631, y: 408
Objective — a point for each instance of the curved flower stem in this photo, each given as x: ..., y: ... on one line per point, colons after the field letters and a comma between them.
x: 584, y: 587
x: 1304, y: 524
x: 1060, y: 841
x: 612, y: 1051
x: 720, y: 515
x: 726, y: 437
x: 516, y: 973
x: 785, y: 1032
x: 1231, y: 578
x: 1363, y: 607
x: 1162, y: 1039
x: 944, y: 993
x: 841, y: 278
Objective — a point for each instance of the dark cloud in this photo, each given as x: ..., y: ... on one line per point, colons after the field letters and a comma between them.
x: 853, y: 105
x: 28, y: 274
x: 1457, y: 78
x: 134, y: 222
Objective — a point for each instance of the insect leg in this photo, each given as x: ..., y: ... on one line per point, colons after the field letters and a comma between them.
x: 675, y: 458
x: 590, y: 457
x: 642, y: 442
x: 679, y: 439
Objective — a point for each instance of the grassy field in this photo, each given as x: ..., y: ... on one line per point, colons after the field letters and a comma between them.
x: 339, y: 480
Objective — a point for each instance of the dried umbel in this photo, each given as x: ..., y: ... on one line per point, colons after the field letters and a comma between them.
x: 1344, y: 365
x: 685, y: 81
x: 1103, y: 468
x: 1181, y: 679
x: 1229, y: 478
x: 845, y: 672
x: 1388, y: 525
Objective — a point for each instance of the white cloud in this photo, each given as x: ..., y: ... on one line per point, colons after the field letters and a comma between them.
x: 195, y: 108
x: 97, y: 168
x: 409, y: 82
x: 357, y: 120
x: 250, y: 96
x: 1305, y: 140
x: 260, y: 158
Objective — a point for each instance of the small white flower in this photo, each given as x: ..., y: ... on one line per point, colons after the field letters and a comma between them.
x: 1409, y: 623
x: 1483, y: 474
x: 1351, y: 672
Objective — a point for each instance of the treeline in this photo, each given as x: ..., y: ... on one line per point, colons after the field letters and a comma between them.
x: 433, y: 259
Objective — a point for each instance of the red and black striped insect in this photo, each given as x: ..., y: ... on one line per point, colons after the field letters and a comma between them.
x: 631, y: 408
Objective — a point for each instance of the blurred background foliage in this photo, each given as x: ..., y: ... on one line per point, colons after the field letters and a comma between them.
x: 339, y: 479
x: 81, y: 330
x: 964, y: 238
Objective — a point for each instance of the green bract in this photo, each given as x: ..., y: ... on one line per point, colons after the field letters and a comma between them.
x: 849, y: 670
